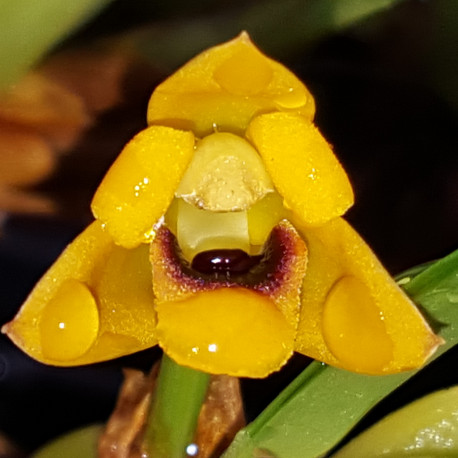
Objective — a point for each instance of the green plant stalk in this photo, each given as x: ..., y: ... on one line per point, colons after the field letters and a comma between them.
x: 320, y: 407
x: 175, y: 408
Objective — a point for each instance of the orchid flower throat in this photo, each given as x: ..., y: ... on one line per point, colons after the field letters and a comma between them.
x: 226, y: 199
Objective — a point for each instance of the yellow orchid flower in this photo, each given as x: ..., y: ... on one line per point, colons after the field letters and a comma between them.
x: 218, y: 236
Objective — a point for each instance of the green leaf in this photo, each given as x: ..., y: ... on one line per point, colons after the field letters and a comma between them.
x: 77, y: 444
x: 427, y: 427
x: 306, y: 21
x: 29, y: 28
x: 318, y: 409
x: 278, y: 27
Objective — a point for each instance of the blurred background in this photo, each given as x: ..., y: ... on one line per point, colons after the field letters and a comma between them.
x: 75, y: 81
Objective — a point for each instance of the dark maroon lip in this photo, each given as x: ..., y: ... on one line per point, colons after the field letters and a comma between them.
x: 224, y: 262
x: 265, y: 273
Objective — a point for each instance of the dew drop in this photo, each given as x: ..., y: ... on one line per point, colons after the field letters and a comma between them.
x: 70, y: 322
x: 293, y: 99
x: 353, y: 327
x: 192, y: 450
x: 245, y: 73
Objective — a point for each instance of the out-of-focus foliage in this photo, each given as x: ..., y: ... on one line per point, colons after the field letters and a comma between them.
x: 79, y: 443
x: 30, y: 28
x: 427, y: 427
x: 45, y: 114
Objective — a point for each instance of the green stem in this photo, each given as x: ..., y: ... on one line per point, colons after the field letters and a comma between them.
x: 172, y: 420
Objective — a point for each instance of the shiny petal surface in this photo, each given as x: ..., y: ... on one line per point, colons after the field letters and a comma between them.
x: 139, y: 186
x: 232, y: 331
x: 224, y: 88
x: 95, y: 303
x: 229, y: 325
x: 302, y: 165
x: 353, y: 314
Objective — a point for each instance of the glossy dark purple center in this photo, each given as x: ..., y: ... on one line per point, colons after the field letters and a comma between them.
x: 230, y: 262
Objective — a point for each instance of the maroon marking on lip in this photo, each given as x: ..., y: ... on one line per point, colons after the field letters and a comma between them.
x: 224, y: 262
x: 265, y: 273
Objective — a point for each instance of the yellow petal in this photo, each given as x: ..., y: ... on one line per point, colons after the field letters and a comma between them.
x: 94, y: 303
x: 353, y: 314
x: 302, y: 166
x: 139, y: 186
x: 231, y: 331
x: 263, y: 216
x: 225, y: 87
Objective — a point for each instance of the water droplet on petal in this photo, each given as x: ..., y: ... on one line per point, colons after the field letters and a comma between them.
x: 70, y: 322
x: 354, y: 328
x: 293, y: 99
x: 245, y: 73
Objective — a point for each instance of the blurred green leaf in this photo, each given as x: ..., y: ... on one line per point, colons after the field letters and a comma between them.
x: 295, y: 23
x: 277, y: 27
x: 29, y: 28
x: 427, y: 427
x: 318, y: 409
x: 77, y: 444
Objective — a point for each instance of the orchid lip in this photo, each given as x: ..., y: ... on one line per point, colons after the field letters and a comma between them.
x: 238, y: 317
x: 264, y: 273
